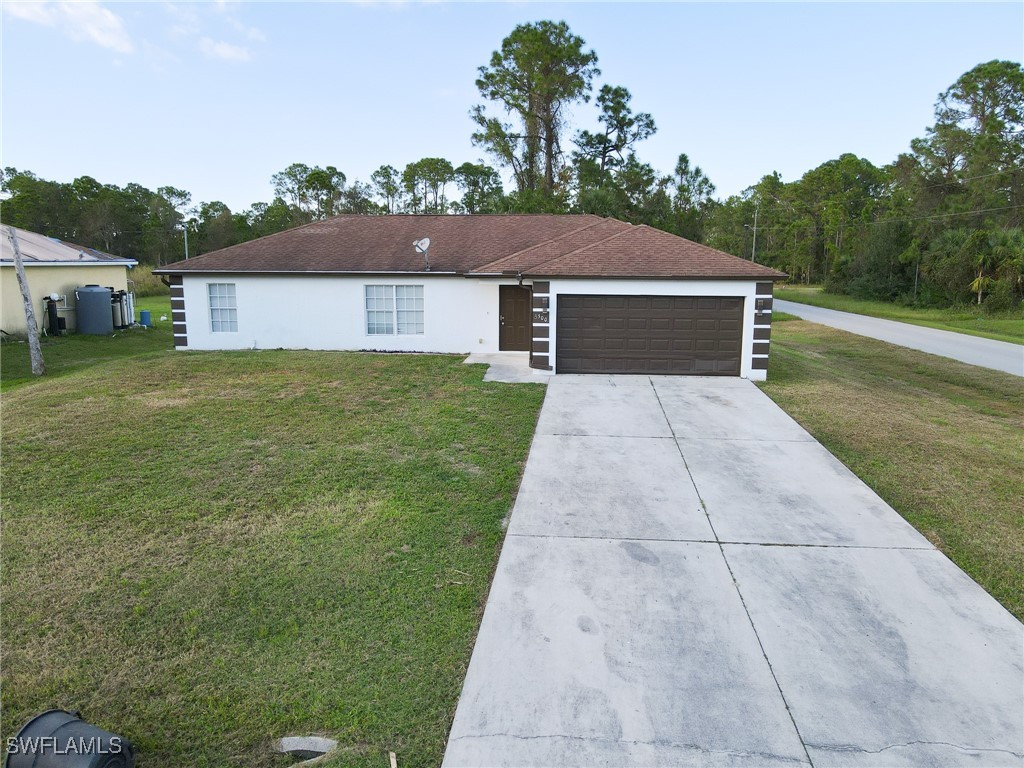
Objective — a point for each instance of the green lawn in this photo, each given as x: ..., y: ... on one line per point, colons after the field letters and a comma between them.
x: 1007, y: 326
x: 207, y: 551
x: 941, y: 441
x: 64, y: 354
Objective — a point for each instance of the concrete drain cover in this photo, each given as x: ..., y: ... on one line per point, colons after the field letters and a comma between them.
x: 310, y: 747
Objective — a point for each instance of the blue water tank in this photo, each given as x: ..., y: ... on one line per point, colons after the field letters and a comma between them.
x: 93, y: 314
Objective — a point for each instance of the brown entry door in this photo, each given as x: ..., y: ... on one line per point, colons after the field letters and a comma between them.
x: 699, y: 335
x: 515, y: 322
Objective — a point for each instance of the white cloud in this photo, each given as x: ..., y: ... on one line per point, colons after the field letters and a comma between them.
x: 86, y: 20
x: 253, y: 33
x: 190, y: 21
x: 218, y: 49
x: 186, y: 21
x: 40, y: 13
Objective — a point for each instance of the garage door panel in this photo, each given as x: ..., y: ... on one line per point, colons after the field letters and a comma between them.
x: 649, y: 334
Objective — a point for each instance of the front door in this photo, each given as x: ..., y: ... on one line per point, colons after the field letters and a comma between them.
x: 515, y: 319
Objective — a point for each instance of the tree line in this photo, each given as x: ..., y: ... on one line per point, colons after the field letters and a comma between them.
x: 942, y: 224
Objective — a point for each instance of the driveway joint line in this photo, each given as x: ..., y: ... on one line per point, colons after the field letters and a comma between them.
x: 596, y: 537
x: 735, y: 583
x: 750, y: 439
x: 676, y: 437
x: 653, y: 743
x: 574, y: 434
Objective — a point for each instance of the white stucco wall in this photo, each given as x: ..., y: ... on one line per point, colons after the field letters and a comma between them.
x: 327, y: 312
x: 743, y: 288
x: 460, y: 314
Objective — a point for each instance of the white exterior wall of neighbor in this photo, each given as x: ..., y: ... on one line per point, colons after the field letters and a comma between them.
x: 328, y: 312
x: 610, y: 287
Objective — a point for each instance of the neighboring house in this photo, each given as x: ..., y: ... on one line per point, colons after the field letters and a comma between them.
x: 579, y: 294
x: 52, y: 266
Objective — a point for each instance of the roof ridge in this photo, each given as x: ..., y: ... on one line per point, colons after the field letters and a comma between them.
x: 630, y: 228
x: 542, y: 243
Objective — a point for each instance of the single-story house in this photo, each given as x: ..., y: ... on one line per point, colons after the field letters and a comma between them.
x: 578, y: 294
x: 52, y: 267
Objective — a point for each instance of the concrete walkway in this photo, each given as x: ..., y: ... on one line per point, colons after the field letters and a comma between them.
x: 974, y: 350
x: 689, y: 578
x: 508, y: 367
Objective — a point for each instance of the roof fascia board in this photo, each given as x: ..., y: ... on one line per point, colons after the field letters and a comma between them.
x: 34, y: 263
x: 301, y: 272
x: 684, y: 278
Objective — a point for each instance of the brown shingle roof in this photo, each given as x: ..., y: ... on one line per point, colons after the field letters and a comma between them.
x: 642, y: 251
x: 536, y: 245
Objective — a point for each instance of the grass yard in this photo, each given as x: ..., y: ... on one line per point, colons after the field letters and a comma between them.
x: 941, y: 441
x: 65, y: 354
x: 207, y: 551
x: 1007, y: 326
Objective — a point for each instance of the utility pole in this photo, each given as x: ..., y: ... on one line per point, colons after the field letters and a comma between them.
x: 753, y: 247
x: 184, y: 226
x: 34, y: 350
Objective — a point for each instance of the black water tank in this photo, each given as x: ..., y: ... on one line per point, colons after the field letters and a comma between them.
x: 93, y: 313
x: 59, y: 739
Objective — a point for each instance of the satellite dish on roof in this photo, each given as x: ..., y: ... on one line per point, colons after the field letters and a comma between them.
x: 422, y: 246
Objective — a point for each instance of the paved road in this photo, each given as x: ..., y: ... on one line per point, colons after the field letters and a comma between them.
x: 988, y: 353
x: 689, y: 578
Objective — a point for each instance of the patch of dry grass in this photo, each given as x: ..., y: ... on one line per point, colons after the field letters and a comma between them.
x: 941, y: 441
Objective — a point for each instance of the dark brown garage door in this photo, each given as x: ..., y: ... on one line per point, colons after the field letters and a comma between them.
x: 700, y: 335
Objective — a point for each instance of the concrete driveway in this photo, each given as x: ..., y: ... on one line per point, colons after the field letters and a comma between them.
x: 689, y: 578
x: 974, y: 350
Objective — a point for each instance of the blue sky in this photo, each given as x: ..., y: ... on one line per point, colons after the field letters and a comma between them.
x: 216, y: 97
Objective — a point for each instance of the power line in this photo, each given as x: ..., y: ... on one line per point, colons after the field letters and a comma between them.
x: 967, y: 178
x: 936, y: 216
x: 776, y: 227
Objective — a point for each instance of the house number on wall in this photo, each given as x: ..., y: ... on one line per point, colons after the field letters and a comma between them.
x: 540, y: 316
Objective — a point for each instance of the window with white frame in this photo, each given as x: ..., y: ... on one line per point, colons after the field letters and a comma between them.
x: 394, y: 309
x: 223, y: 308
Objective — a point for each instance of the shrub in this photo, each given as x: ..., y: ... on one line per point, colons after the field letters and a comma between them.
x: 145, y: 283
x: 1001, y: 298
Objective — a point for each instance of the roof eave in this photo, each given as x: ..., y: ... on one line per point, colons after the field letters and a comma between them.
x: 754, y: 278
x: 84, y: 263
x: 215, y: 271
